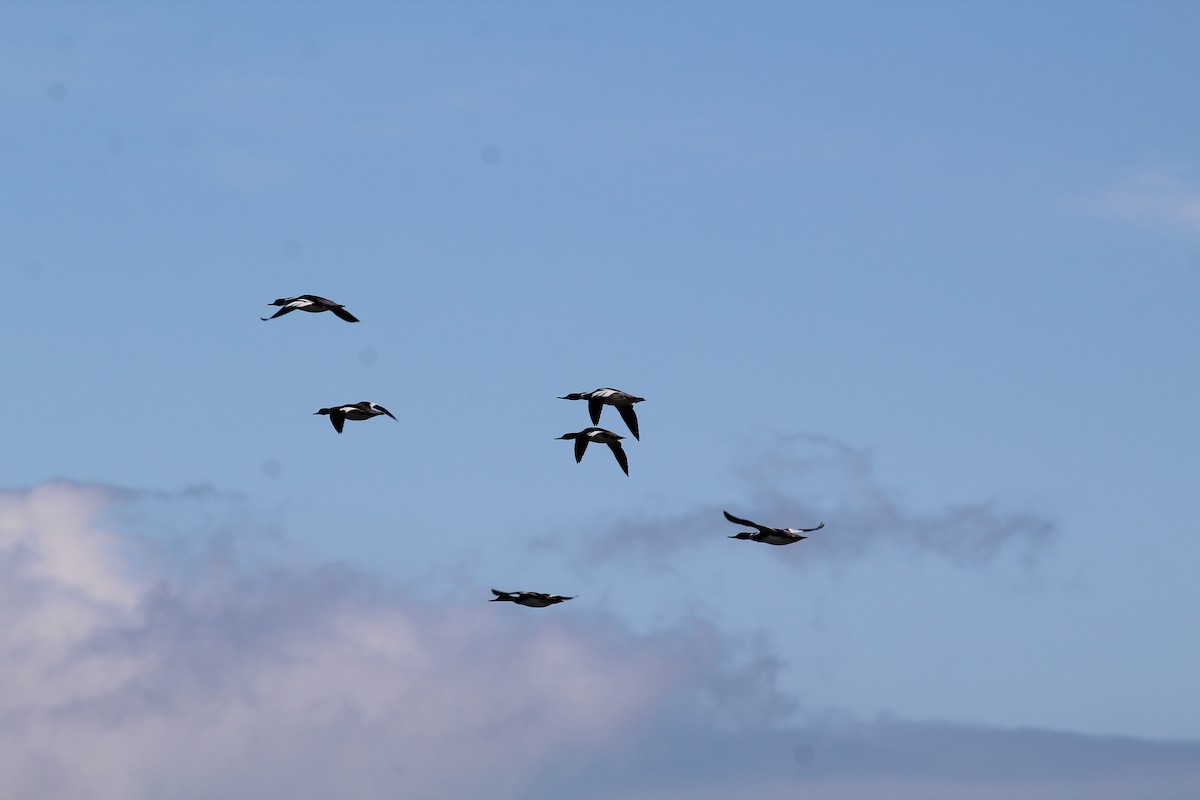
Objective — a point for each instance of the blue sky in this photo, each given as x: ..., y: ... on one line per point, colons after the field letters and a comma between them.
x: 927, y: 272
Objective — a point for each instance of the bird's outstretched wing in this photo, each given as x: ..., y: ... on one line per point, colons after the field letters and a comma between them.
x: 581, y: 444
x: 630, y: 417
x: 619, y: 452
x: 279, y: 313
x: 740, y: 521
x: 595, y: 406
x: 343, y: 313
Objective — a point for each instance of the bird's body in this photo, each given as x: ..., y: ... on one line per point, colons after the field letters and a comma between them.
x: 776, y: 536
x: 600, y: 436
x: 311, y: 303
x: 356, y: 411
x: 599, y: 398
x: 531, y: 599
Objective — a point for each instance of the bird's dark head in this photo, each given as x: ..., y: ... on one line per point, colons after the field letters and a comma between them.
x: 283, y: 301
x: 322, y: 411
x: 572, y: 396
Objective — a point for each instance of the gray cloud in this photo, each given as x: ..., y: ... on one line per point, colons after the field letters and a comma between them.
x: 895, y: 760
x: 131, y: 671
x: 805, y: 479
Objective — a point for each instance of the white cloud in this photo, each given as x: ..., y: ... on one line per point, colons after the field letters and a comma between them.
x: 122, y: 681
x: 125, y: 673
x: 1154, y: 199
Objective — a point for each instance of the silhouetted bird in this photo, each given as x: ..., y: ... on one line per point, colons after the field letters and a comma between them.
x: 601, y: 436
x: 311, y: 303
x: 531, y: 599
x: 599, y: 398
x: 356, y: 411
x: 770, y: 535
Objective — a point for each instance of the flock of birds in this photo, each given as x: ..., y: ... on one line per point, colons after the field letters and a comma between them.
x: 596, y: 399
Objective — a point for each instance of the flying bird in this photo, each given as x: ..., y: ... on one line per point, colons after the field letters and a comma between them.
x: 311, y: 303
x: 601, y: 436
x: 767, y: 535
x: 599, y: 398
x: 531, y: 599
x: 356, y: 411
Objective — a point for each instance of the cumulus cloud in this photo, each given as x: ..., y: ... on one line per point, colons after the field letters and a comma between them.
x: 804, y: 479
x: 128, y: 671
x: 127, y: 676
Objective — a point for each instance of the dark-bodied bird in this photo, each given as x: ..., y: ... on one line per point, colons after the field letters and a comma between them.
x: 770, y: 535
x: 311, y: 303
x: 531, y: 599
x: 356, y: 411
x: 599, y: 398
x: 600, y: 436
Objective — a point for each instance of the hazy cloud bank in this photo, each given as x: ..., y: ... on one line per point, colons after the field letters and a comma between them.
x: 805, y: 479
x: 128, y: 671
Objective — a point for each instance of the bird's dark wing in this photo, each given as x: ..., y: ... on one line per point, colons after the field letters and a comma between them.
x: 343, y: 313
x: 810, y: 530
x: 619, y: 452
x: 581, y: 444
x: 595, y: 406
x: 740, y: 521
x: 279, y: 313
x: 630, y: 417
x: 384, y: 410
x: 338, y: 418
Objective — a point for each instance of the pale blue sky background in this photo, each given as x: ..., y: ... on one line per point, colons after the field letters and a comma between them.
x: 929, y: 272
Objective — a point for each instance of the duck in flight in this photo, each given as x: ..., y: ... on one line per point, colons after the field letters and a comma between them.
x: 531, y: 599
x: 356, y: 411
x: 599, y: 398
x: 767, y: 535
x: 601, y: 436
x: 311, y: 303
